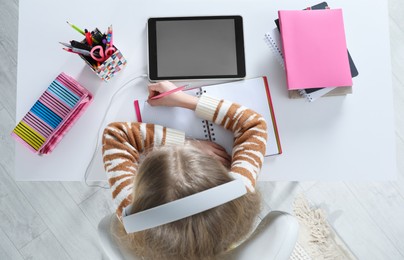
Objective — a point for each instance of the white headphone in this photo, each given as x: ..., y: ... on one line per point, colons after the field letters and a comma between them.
x: 184, y: 207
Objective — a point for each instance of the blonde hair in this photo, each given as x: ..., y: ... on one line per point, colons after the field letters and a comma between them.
x: 170, y: 173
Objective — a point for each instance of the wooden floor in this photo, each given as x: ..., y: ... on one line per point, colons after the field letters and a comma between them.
x: 55, y: 220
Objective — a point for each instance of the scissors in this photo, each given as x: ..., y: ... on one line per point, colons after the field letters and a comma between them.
x: 98, y: 53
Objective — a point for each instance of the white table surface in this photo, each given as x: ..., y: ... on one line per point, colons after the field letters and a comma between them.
x: 334, y: 138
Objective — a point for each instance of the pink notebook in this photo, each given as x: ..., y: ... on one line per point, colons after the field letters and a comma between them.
x: 314, y: 48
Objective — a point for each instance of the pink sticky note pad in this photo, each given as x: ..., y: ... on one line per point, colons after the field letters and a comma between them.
x: 314, y: 48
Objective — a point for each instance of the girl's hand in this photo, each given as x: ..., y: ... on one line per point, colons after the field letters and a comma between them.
x: 214, y: 150
x: 177, y: 99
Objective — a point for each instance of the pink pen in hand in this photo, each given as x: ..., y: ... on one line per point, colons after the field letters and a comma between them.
x: 169, y: 92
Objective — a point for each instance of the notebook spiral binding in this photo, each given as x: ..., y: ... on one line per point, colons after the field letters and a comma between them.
x: 273, y: 45
x: 207, y: 126
x: 306, y: 95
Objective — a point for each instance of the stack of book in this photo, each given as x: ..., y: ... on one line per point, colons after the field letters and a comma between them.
x: 310, y: 44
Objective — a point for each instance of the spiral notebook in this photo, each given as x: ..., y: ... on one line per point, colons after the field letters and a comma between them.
x: 52, y: 115
x: 252, y: 93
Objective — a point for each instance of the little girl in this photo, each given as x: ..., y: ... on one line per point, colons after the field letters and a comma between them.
x: 150, y: 165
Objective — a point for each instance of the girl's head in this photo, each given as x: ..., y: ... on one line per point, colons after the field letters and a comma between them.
x: 170, y: 173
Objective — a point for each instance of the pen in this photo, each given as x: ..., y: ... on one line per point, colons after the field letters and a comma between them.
x: 66, y: 44
x: 78, y: 51
x: 79, y: 45
x: 169, y: 92
x: 70, y: 50
x: 88, y: 37
x: 97, y: 36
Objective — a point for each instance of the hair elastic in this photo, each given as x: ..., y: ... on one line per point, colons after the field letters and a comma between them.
x: 184, y: 207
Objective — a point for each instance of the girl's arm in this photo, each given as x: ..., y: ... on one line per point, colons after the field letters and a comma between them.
x: 250, y: 135
x: 123, y: 142
x: 249, y: 127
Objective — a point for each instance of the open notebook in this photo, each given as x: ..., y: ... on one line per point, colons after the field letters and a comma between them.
x: 252, y: 93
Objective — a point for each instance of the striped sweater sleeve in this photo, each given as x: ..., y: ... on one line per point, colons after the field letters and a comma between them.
x: 250, y: 135
x: 122, y: 144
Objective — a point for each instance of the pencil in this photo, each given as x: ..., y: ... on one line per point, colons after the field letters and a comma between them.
x: 76, y: 28
x: 110, y: 36
x: 169, y: 92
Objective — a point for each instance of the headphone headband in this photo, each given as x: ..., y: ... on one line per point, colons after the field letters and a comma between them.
x: 184, y: 207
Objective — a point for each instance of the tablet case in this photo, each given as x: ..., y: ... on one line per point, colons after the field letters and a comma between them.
x: 181, y: 72
x: 52, y: 115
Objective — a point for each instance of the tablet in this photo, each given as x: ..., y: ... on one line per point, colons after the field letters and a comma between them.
x: 198, y: 47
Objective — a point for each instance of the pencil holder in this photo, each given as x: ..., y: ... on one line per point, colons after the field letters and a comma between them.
x: 108, y: 68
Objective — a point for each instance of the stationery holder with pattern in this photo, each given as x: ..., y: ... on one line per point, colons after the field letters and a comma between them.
x: 107, y: 69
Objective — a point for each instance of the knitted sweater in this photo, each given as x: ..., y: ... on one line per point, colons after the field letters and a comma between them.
x: 123, y: 142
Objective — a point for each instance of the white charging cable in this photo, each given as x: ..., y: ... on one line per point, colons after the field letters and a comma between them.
x: 90, y: 164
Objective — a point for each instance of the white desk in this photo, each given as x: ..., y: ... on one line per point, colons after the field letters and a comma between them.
x: 336, y: 138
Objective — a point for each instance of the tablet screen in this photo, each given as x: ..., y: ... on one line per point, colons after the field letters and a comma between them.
x: 196, y: 47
